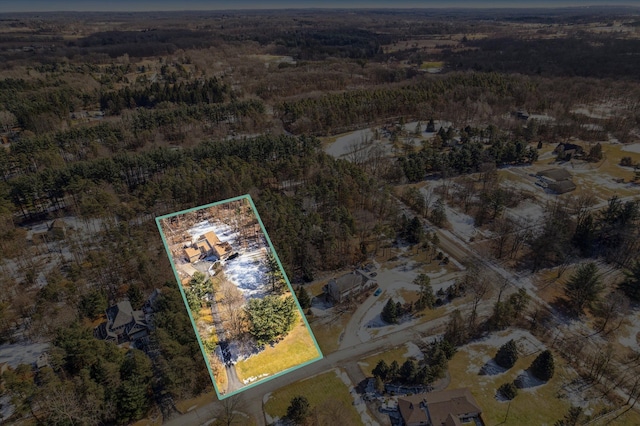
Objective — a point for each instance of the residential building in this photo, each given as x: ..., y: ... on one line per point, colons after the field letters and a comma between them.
x: 209, y: 244
x: 192, y: 254
x: 557, y: 180
x: 454, y: 407
x: 343, y: 288
x: 123, y: 324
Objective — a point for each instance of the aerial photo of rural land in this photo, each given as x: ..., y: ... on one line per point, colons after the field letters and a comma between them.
x: 336, y: 213
x: 249, y: 324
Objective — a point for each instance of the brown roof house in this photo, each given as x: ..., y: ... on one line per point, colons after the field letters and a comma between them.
x: 209, y: 244
x: 192, y: 254
x: 123, y: 324
x: 454, y: 407
x: 342, y: 288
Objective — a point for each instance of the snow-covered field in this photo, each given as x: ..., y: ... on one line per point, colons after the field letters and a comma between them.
x: 345, y: 143
x: 527, y: 211
x: 248, y: 272
x: 463, y: 224
x: 18, y: 353
x: 600, y: 111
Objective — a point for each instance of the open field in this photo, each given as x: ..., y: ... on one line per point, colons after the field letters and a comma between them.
x: 524, y: 409
x: 318, y: 390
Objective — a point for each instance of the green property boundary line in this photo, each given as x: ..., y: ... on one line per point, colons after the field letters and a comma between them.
x: 193, y: 323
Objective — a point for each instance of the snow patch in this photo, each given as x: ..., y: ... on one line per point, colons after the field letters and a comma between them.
x: 6, y: 408
x: 463, y: 224
x: 413, y: 351
x: 254, y: 378
x: 247, y: 271
x: 345, y: 143
x: 526, y: 380
x: 20, y: 353
x: 358, y: 402
x: 635, y: 147
x: 491, y: 368
x: 527, y: 210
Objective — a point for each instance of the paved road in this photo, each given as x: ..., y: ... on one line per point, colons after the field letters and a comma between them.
x: 353, y: 353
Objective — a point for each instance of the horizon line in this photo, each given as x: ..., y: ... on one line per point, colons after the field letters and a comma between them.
x: 337, y: 8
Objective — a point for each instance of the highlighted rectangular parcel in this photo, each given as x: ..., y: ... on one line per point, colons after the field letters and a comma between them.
x: 248, y: 322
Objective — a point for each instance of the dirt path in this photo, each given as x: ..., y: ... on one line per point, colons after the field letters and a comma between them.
x: 233, y: 383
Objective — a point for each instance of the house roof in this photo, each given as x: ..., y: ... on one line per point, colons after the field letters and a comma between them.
x: 562, y: 186
x: 411, y: 409
x: 452, y: 421
x: 218, y: 247
x: 454, y: 402
x: 555, y: 174
x: 191, y: 252
x: 122, y: 314
x: 348, y: 281
x: 211, y: 238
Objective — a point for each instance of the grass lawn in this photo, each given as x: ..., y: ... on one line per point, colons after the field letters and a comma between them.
x: 328, y: 335
x: 396, y: 354
x: 533, y: 406
x: 427, y: 314
x: 317, y: 389
x: 197, y: 402
x: 408, y: 295
x: 293, y: 350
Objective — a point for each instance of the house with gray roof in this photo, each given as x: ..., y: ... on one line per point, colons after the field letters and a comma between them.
x: 557, y: 180
x: 346, y: 286
x: 123, y: 324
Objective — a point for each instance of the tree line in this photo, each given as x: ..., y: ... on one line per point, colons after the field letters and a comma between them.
x: 208, y: 91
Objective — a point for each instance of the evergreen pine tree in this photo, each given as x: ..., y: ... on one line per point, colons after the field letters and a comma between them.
x: 298, y: 410
x: 543, y: 366
x: 389, y: 313
x: 381, y: 370
x: 631, y: 284
x: 303, y: 298
x: 394, y: 371
x: 507, y: 354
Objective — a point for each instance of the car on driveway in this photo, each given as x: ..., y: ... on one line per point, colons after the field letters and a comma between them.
x: 378, y: 291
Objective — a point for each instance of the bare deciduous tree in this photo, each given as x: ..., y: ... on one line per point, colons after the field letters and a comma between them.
x: 227, y: 412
